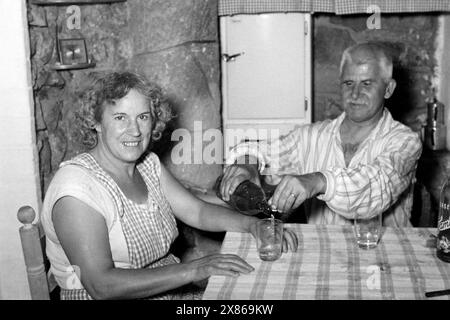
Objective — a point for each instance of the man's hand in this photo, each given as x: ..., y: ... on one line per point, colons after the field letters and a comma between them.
x: 234, y: 175
x: 294, y: 190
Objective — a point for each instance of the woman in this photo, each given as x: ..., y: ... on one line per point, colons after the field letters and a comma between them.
x: 109, y: 214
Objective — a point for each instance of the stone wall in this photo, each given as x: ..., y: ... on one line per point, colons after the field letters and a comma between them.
x: 174, y: 43
x: 56, y: 93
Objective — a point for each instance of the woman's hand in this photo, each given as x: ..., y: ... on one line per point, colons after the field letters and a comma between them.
x: 290, y: 240
x: 218, y: 264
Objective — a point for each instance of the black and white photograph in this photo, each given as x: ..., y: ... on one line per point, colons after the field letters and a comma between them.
x: 233, y: 157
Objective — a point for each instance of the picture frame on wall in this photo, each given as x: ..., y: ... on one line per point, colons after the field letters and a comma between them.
x: 72, y: 51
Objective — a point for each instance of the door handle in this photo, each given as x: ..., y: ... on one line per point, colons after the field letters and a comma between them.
x: 227, y: 58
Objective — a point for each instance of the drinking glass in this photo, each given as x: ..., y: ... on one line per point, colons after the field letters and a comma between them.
x: 368, y: 231
x: 269, y: 238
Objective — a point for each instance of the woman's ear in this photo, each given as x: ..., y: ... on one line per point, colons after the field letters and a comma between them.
x: 390, y: 88
x: 98, y: 127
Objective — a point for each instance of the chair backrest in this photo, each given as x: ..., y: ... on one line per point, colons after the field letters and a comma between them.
x: 34, y: 254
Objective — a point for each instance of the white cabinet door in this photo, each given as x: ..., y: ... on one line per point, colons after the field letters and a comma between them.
x: 266, y: 74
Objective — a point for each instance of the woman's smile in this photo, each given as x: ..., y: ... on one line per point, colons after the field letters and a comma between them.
x: 131, y: 143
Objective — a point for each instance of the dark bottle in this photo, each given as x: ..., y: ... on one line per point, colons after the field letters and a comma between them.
x: 248, y: 198
x: 443, y: 240
x: 435, y: 131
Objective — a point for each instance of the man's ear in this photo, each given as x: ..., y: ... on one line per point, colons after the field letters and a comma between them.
x: 390, y: 88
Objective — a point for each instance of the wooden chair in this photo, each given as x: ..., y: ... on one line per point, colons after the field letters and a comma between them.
x: 42, y: 284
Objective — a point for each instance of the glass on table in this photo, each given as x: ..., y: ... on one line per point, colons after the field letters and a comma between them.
x: 269, y: 238
x: 367, y: 231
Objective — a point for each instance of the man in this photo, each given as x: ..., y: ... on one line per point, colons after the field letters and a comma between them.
x: 363, y: 162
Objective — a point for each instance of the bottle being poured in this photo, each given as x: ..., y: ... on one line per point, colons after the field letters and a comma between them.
x: 249, y: 198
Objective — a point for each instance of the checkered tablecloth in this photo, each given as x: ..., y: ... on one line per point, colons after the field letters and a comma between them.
x: 329, y: 265
x: 231, y: 7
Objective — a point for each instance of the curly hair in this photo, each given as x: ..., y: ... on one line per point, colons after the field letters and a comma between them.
x: 111, y: 87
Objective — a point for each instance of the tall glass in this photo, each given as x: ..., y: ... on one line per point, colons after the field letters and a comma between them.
x: 269, y: 238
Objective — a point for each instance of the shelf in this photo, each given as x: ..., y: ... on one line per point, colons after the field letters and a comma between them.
x: 70, y: 2
x: 61, y: 67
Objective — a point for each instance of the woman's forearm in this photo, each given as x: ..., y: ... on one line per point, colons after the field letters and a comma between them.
x: 218, y: 218
x: 117, y: 283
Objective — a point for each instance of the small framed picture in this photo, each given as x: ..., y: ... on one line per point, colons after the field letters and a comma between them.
x: 72, y: 51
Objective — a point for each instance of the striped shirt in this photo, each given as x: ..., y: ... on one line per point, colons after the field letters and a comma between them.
x: 379, y: 178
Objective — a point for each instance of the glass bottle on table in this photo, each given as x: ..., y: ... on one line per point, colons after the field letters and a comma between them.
x: 443, y: 226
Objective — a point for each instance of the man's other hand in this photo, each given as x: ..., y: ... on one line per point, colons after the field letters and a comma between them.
x: 293, y: 190
x: 234, y: 175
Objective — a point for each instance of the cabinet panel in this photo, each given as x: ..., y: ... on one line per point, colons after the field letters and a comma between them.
x: 266, y: 71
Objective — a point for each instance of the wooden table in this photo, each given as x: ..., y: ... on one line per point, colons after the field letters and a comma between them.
x: 329, y: 265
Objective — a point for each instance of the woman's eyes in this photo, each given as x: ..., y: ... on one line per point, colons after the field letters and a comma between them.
x: 144, y: 117
x: 141, y: 117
